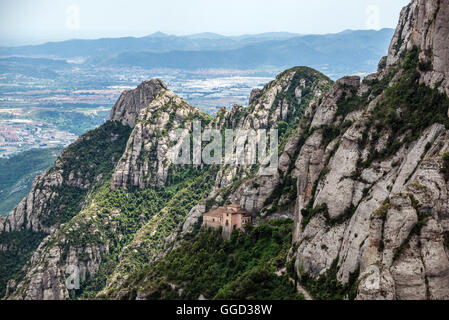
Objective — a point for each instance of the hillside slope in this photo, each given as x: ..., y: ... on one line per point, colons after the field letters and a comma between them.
x: 18, y: 172
x: 366, y: 174
x: 374, y: 211
x: 133, y: 214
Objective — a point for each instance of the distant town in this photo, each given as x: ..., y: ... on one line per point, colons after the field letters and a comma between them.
x: 46, y: 113
x: 22, y: 135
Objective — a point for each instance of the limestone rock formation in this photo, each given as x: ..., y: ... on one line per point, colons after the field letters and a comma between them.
x: 131, y: 102
x: 379, y: 211
x: 150, y: 149
x: 46, y: 200
x: 425, y: 24
x: 57, y: 197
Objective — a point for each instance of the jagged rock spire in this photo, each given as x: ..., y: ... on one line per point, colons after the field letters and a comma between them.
x: 425, y: 24
x: 128, y: 106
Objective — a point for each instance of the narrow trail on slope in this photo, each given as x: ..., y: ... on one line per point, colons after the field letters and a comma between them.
x: 299, y: 288
x: 302, y: 290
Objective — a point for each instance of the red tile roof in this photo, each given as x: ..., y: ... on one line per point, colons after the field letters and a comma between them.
x: 215, y: 213
x: 230, y: 209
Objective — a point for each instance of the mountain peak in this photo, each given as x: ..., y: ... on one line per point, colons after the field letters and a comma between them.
x: 206, y: 35
x: 131, y: 102
x: 152, y: 83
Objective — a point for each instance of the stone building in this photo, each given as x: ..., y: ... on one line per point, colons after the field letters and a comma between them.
x: 230, y: 218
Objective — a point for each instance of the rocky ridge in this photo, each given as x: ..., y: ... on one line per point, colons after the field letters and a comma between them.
x: 372, y: 198
x: 148, y: 156
x: 251, y: 196
x: 425, y: 24
x: 146, y: 163
x: 131, y: 102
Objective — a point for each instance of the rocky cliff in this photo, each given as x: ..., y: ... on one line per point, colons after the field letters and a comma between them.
x: 425, y: 24
x: 58, y: 195
x: 170, y: 195
x: 48, y: 203
x: 130, y: 103
x: 292, y: 90
x: 148, y: 157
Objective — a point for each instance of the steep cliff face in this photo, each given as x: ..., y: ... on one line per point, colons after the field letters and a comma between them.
x: 130, y: 103
x: 372, y: 195
x: 148, y: 156
x: 281, y: 103
x: 58, y: 195
x: 292, y: 90
x: 425, y: 24
x: 75, y: 172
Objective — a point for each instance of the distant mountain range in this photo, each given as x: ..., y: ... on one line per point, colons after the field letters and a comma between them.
x: 156, y: 42
x: 349, y: 50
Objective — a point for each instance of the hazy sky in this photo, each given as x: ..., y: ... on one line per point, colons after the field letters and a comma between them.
x: 34, y: 21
